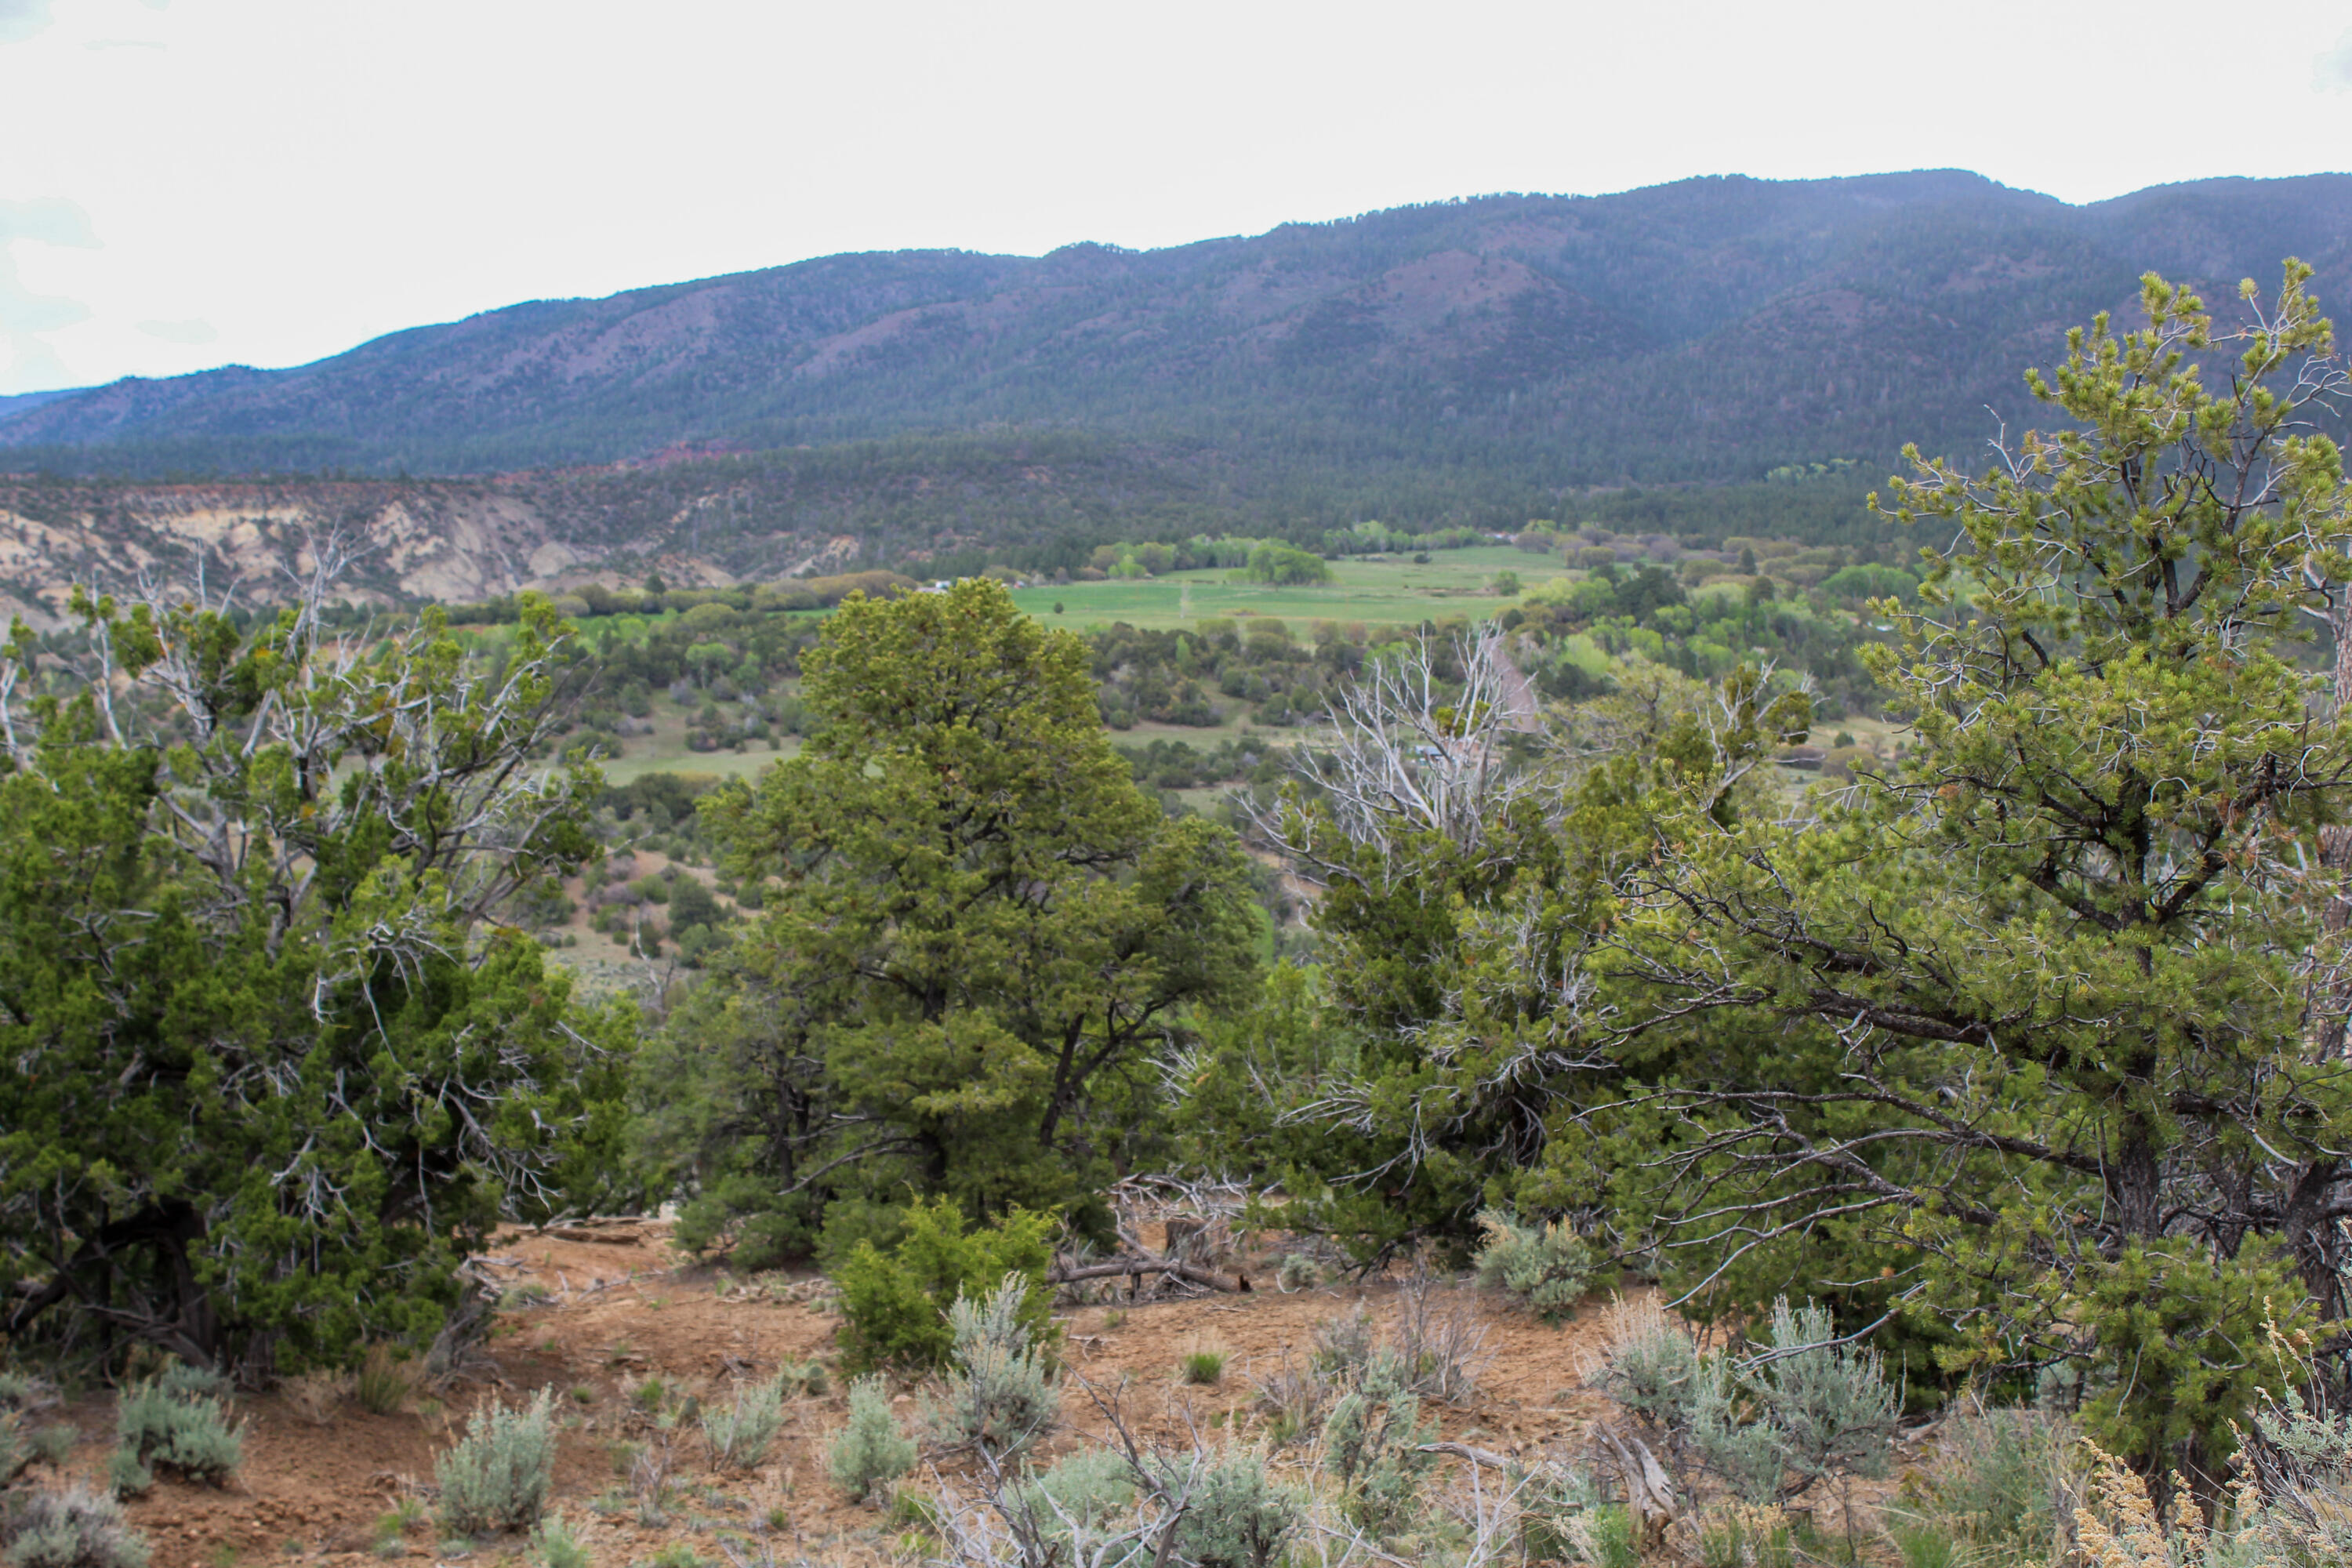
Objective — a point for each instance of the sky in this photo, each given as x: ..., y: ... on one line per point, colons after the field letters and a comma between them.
x: 191, y: 183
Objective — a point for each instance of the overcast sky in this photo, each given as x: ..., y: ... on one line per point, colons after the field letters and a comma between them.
x: 191, y: 183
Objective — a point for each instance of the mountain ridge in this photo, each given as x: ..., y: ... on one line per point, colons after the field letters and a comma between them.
x: 1709, y: 329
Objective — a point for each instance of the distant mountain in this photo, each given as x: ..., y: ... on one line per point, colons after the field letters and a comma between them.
x: 1711, y: 329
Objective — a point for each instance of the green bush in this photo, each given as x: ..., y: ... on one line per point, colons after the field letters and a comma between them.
x: 895, y: 1306
x: 1806, y: 1409
x: 182, y: 1434
x: 497, y: 1477
x: 1546, y: 1271
x: 738, y: 1435
x: 871, y: 1451
x: 1203, y: 1367
x: 71, y: 1529
x: 1238, y: 1518
x: 184, y: 1380
x: 125, y: 1475
x: 1087, y: 1487
x: 998, y: 1399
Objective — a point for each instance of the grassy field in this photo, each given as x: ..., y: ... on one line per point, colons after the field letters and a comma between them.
x: 1373, y: 591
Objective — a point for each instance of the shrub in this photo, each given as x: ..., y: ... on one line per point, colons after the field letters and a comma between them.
x: 804, y: 1377
x: 1371, y: 1443
x: 1298, y: 1273
x: 895, y: 1305
x: 1203, y: 1367
x: 555, y: 1545
x: 1604, y: 1538
x: 1293, y: 1396
x: 1343, y: 1348
x: 125, y: 1475
x: 1546, y: 1271
x: 1076, y: 1497
x: 22, y: 1446
x: 497, y: 1477
x: 184, y: 1380
x: 1237, y: 1519
x: 738, y: 1435
x: 1744, y: 1453
x: 1805, y: 1407
x: 1556, y: 1500
x: 184, y: 1435
x: 1832, y: 1410
x: 998, y: 1399
x: 871, y: 1450
x: 22, y: 1392
x: 1651, y: 1366
x: 1742, y: 1535
x: 71, y: 1529
x: 316, y: 1393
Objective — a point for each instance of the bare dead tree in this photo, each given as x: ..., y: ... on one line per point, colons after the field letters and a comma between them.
x: 1414, y: 753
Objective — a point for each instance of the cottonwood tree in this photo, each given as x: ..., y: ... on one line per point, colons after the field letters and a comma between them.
x: 2024, y: 1023
x: 984, y: 938
x: 272, y: 1068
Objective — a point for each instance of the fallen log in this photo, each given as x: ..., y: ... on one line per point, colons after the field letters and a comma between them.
x: 1144, y: 1263
x: 1649, y: 1494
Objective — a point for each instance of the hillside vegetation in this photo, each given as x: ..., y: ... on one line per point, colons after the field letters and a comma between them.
x: 1712, y: 327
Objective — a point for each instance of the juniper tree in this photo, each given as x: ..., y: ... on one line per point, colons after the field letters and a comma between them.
x: 273, y: 1067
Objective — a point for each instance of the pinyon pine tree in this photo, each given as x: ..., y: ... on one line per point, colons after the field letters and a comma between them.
x: 2027, y: 1024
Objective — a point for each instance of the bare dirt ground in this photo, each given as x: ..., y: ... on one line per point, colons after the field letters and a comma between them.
x: 621, y: 1308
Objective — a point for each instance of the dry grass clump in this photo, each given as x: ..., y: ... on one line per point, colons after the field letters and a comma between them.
x: 317, y: 1395
x: 385, y: 1381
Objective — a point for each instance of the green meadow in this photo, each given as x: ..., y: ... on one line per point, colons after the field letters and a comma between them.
x: 1372, y: 590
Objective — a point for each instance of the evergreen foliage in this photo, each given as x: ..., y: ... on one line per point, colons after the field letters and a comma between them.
x: 274, y: 1078
x: 2043, y: 1018
x: 898, y: 1307
x: 982, y: 935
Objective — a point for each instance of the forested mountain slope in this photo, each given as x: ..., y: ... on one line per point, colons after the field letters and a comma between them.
x: 1706, y: 330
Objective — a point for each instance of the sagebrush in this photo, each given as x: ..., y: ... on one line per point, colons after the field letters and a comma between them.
x: 871, y: 1450
x: 497, y: 1477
